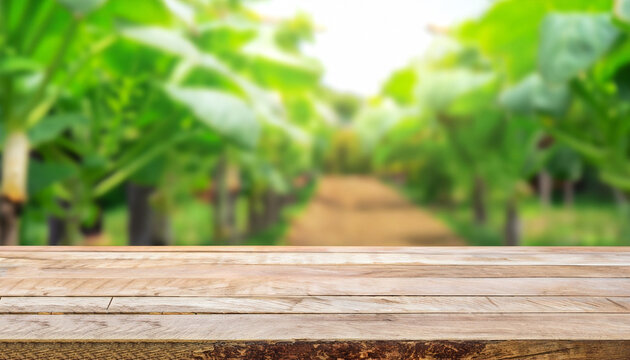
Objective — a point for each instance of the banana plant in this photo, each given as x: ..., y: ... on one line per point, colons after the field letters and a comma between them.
x: 597, y: 83
x: 133, y: 116
x: 218, y: 109
x: 565, y: 68
x: 236, y: 105
x: 584, y: 67
x: 38, y: 62
x: 558, y: 42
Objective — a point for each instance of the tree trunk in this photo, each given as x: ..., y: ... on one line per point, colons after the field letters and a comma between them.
x: 56, y: 230
x: 58, y: 226
x: 545, y: 188
x: 272, y: 208
x: 624, y: 210
x: 147, y: 226
x: 14, y: 177
x: 233, y: 235
x: 255, y: 217
x: 512, y: 224
x: 9, y: 222
x: 289, y: 199
x: 620, y: 198
x: 223, y: 203
x: 479, y: 202
x: 568, y: 189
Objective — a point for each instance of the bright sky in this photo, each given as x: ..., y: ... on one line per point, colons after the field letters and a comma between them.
x: 363, y: 41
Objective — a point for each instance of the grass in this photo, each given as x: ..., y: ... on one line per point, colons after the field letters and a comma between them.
x: 586, y: 224
x: 590, y: 222
x: 191, y: 222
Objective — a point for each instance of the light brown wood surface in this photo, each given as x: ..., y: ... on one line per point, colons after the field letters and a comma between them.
x: 212, y: 302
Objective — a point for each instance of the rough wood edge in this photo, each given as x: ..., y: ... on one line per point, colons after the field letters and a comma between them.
x: 323, y: 350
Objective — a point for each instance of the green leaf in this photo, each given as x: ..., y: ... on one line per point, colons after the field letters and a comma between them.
x: 224, y: 113
x: 181, y: 10
x: 163, y: 39
x: 271, y: 111
x: 263, y: 172
x: 265, y: 106
x: 439, y: 89
x: 53, y: 126
x: 612, y: 63
x: 133, y: 12
x: 374, y: 122
x: 264, y: 46
x: 400, y: 86
x: 571, y: 43
x: 615, y: 179
x: 150, y: 174
x: 535, y: 96
x: 585, y: 148
x: 516, y: 47
x: 230, y: 22
x: 212, y: 63
x: 12, y: 65
x: 565, y: 163
x: 622, y: 10
x: 271, y: 66
x: 45, y: 174
x: 128, y: 168
x: 82, y: 7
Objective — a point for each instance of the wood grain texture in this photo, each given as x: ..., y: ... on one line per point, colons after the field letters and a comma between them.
x: 51, y: 304
x: 370, y: 305
x: 320, y: 350
x: 132, y: 269
x: 314, y: 303
x: 318, y: 327
x: 252, y: 285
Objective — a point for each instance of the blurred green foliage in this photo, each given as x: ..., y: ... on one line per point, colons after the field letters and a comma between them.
x: 191, y: 121
x: 517, y: 101
x: 143, y: 102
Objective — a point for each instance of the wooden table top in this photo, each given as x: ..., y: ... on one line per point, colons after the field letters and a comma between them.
x: 263, y: 302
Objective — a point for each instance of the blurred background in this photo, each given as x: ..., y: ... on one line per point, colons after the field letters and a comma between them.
x: 315, y: 122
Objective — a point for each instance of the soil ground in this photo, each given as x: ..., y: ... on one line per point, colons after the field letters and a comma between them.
x: 362, y: 211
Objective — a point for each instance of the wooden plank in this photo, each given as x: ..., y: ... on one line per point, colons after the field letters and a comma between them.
x: 317, y: 327
x: 347, y: 350
x: 453, y: 258
x: 476, y: 303
x: 252, y: 285
x: 369, y: 304
x: 314, y: 305
x: 51, y: 304
x: 123, y: 269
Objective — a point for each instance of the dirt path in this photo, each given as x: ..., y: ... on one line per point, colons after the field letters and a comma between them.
x: 362, y: 211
